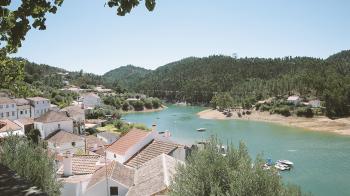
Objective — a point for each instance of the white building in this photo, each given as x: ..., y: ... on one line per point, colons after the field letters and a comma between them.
x: 107, y: 137
x: 53, y: 121
x: 91, y: 100
x: 124, y: 148
x: 8, y: 127
x: 77, y: 113
x: 315, y: 103
x: 294, y: 99
x: 8, y: 108
x: 63, y: 142
x: 23, y: 108
x: 39, y: 106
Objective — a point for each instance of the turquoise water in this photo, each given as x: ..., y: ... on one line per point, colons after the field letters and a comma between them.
x: 322, y: 160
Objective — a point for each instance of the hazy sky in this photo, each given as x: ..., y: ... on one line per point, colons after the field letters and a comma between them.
x: 86, y: 35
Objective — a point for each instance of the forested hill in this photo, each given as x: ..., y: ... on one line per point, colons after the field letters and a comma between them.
x: 126, y: 76
x: 252, y: 79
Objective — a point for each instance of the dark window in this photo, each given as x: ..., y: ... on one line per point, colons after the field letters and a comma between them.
x: 21, y: 112
x: 113, y: 190
x: 73, y: 144
x: 115, y: 156
x: 59, y: 126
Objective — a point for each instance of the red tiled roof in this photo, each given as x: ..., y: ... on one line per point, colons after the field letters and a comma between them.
x: 61, y: 137
x: 7, y: 125
x: 82, y: 164
x: 6, y: 100
x: 122, y: 145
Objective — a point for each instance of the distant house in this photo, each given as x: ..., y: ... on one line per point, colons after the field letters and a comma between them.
x: 108, y: 137
x: 91, y: 100
x: 53, y: 121
x: 124, y: 148
x: 8, y: 108
x: 115, y: 178
x: 63, y: 142
x: 39, y: 106
x: 8, y: 127
x: 294, y: 99
x: 315, y: 103
x: 23, y: 108
x: 77, y: 113
x: 154, y: 177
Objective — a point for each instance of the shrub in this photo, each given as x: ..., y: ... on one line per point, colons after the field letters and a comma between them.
x: 284, y: 110
x: 305, y: 111
x: 125, y: 106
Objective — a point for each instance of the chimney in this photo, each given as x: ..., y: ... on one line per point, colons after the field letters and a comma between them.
x: 154, y: 127
x: 67, y: 165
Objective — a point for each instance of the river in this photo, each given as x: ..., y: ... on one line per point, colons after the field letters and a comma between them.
x: 322, y: 160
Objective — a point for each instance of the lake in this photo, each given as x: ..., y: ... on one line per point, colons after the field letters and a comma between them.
x: 322, y: 160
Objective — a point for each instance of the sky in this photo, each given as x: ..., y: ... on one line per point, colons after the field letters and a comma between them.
x: 86, y: 35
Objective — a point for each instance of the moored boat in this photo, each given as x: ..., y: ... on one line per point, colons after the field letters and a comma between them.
x: 286, y: 162
x: 201, y: 129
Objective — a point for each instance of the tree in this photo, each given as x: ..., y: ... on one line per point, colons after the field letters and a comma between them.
x: 34, y: 135
x: 31, y: 162
x: 208, y: 172
x: 222, y: 100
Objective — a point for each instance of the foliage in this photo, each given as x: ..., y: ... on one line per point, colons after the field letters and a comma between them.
x: 102, y: 111
x: 126, y: 106
x: 34, y: 135
x: 197, y: 80
x: 222, y: 100
x: 156, y: 103
x: 137, y: 105
x: 30, y: 162
x: 208, y: 172
x: 283, y: 110
x: 305, y: 111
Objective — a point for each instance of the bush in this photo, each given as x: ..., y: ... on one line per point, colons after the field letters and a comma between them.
x: 138, y: 105
x: 305, y: 111
x: 125, y: 106
x: 284, y: 111
x: 264, y: 108
x: 31, y: 162
x: 148, y: 103
x: 248, y: 112
x: 156, y: 103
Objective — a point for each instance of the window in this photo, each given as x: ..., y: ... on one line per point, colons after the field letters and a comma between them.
x: 37, y: 102
x: 21, y: 112
x: 2, y: 115
x: 1, y: 106
x: 59, y: 126
x: 13, y: 113
x: 7, y: 106
x: 13, y: 105
x: 115, y: 156
x: 73, y: 144
x: 113, y: 190
x: 7, y: 114
x: 25, y: 111
x: 43, y: 101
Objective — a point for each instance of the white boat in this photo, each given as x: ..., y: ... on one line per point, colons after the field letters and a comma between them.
x: 285, y: 162
x: 282, y: 167
x: 201, y: 129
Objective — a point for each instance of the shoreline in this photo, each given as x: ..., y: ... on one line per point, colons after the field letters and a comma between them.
x: 319, y: 123
x: 145, y: 110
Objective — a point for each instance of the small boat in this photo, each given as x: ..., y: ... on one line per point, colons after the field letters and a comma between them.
x: 286, y: 162
x: 282, y: 167
x: 201, y: 129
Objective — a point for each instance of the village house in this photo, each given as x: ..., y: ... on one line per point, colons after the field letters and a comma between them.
x: 53, y: 121
x: 8, y: 127
x: 77, y: 113
x: 75, y: 172
x: 23, y: 108
x: 315, y: 103
x: 294, y: 99
x: 8, y: 108
x: 26, y: 124
x: 39, y: 105
x: 107, y: 137
x: 129, y: 144
x: 91, y: 100
x: 62, y: 142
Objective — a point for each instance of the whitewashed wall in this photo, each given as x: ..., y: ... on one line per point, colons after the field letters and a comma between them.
x: 48, y: 128
x: 101, y: 188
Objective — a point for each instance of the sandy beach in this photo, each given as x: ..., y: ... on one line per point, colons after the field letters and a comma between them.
x: 318, y: 123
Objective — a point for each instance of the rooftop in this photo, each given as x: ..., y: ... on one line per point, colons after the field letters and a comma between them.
x: 152, y: 150
x: 26, y: 121
x: 37, y: 99
x: 91, y: 140
x: 133, y: 137
x: 82, y: 164
x: 6, y: 100
x: 53, y: 116
x: 7, y: 125
x: 108, y: 135
x: 154, y: 176
x: 293, y: 98
x: 21, y: 101
x: 74, y: 110
x: 61, y: 137
x: 118, y: 172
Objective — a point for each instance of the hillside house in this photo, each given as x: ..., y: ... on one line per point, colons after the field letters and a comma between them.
x: 62, y: 142
x: 8, y: 108
x: 294, y: 99
x: 53, y: 121
x: 23, y: 108
x: 39, y: 105
x: 8, y: 127
x: 128, y: 145
x: 91, y: 100
x: 77, y: 113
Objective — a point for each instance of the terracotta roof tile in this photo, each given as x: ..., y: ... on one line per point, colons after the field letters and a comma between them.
x: 82, y: 164
x: 91, y: 140
x: 53, y: 116
x: 61, y: 137
x: 6, y: 100
x: 127, y: 141
x: 152, y: 150
x: 7, y: 125
x: 26, y: 121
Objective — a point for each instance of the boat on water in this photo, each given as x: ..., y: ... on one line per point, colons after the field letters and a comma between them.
x: 282, y: 167
x: 201, y: 129
x: 286, y: 162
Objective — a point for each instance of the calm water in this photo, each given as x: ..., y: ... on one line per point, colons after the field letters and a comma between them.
x: 322, y: 160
